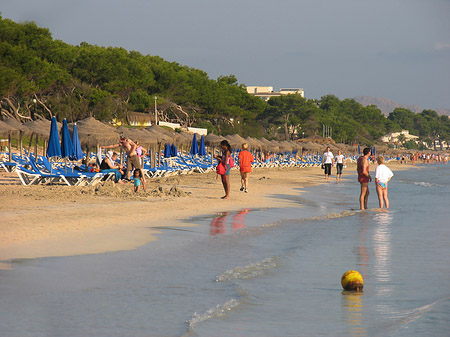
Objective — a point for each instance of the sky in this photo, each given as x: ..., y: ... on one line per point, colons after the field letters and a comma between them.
x: 396, y: 49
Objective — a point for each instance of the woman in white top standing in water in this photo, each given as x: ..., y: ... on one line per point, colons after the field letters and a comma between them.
x: 327, y: 161
x: 382, y: 176
x: 339, y: 159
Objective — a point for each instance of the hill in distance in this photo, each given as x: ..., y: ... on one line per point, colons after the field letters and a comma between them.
x: 387, y: 106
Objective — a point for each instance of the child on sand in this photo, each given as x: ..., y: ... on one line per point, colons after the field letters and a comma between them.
x: 139, y: 180
x: 382, y: 176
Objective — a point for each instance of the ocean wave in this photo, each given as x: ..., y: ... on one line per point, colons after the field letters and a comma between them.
x: 402, y: 318
x: 424, y: 184
x: 218, y: 311
x: 328, y: 216
x: 249, y: 271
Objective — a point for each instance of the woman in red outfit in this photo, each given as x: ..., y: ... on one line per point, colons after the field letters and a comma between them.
x: 245, y: 164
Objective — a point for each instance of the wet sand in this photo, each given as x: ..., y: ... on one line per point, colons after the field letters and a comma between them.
x: 43, y: 221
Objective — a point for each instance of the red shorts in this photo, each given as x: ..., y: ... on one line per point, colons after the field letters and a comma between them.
x: 363, y: 179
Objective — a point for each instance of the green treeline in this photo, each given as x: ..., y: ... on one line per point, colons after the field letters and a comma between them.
x: 40, y: 76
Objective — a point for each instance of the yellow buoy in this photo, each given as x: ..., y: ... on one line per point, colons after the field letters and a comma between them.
x: 352, y: 280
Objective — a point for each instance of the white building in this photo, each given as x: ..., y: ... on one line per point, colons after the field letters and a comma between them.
x: 393, y: 137
x: 267, y: 92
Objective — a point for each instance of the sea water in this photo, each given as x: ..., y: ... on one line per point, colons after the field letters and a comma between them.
x: 258, y: 272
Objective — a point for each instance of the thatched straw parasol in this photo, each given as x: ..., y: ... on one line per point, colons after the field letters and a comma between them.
x: 213, y: 140
x: 268, y: 145
x: 235, y: 140
x: 93, y: 132
x: 309, y: 146
x: 159, y: 129
x: 5, y: 129
x: 296, y: 146
x: 183, y: 138
x: 17, y: 125
x: 160, y: 134
x: 253, y: 142
x: 285, y: 146
x: 140, y: 135
x: 41, y: 127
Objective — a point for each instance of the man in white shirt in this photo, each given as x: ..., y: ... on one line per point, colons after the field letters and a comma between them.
x: 327, y: 161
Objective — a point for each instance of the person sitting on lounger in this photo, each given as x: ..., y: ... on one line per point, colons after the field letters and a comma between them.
x: 109, y: 165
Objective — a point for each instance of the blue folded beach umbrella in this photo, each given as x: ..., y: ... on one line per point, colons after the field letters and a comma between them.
x: 174, y: 150
x: 194, y: 146
x: 77, y: 151
x: 53, y: 148
x: 202, y: 150
x: 359, y: 150
x: 167, y: 151
x: 66, y: 142
x: 373, y: 150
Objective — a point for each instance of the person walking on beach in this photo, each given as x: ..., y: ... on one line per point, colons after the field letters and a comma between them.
x: 327, y: 161
x: 245, y: 166
x: 364, y: 177
x: 339, y: 159
x: 227, y: 161
x: 130, y: 148
x: 382, y: 176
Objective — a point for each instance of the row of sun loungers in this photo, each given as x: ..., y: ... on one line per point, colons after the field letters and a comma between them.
x: 32, y: 171
x: 35, y: 172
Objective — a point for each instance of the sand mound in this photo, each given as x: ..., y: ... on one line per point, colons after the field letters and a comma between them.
x: 110, y: 189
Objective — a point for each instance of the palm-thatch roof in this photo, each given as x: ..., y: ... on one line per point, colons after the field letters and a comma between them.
x: 139, y: 118
x: 41, y: 127
x: 17, y: 125
x: 310, y: 146
x: 183, y: 138
x: 93, y: 132
x: 6, y: 129
x: 213, y: 140
x: 160, y: 134
x: 235, y: 140
x: 140, y: 135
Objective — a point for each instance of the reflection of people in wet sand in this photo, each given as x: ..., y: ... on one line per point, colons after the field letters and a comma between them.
x: 218, y: 224
x: 382, y: 176
x: 239, y: 219
x: 245, y: 166
x: 364, y: 177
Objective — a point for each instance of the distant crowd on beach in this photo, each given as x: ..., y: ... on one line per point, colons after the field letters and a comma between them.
x: 425, y: 158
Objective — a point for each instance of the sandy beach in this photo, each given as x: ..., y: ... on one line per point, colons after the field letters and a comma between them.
x: 44, y: 221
